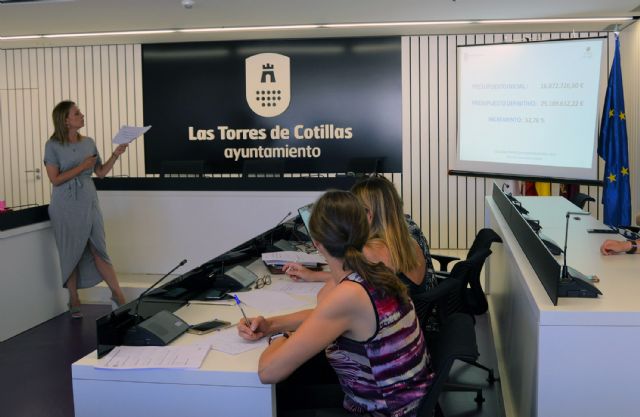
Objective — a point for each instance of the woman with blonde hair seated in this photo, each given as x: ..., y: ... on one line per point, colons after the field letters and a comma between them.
x: 364, y: 321
x: 390, y: 241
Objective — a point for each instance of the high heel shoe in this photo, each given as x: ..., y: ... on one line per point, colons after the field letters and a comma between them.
x: 75, y: 311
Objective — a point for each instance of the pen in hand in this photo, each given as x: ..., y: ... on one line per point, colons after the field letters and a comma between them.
x: 246, y: 320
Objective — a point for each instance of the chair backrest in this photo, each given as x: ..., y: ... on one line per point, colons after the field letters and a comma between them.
x: 473, y: 298
x: 483, y: 240
x: 580, y: 199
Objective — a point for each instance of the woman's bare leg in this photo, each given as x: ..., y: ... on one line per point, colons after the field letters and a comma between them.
x: 72, y: 286
x: 109, y: 276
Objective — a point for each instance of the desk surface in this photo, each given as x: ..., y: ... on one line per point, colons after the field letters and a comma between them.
x: 619, y: 274
x: 218, y: 369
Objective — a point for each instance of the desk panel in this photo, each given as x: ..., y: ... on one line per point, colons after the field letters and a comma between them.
x: 577, y: 358
x: 225, y: 385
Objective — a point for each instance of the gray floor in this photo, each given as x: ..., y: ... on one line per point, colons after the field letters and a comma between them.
x: 35, y: 369
x: 462, y: 404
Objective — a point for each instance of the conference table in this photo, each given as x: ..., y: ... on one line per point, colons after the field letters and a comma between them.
x: 225, y: 384
x: 576, y: 358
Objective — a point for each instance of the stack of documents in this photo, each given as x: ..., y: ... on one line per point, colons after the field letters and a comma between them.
x: 280, y: 258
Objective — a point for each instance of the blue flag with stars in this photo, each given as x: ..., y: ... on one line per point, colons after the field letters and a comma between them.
x: 613, y: 149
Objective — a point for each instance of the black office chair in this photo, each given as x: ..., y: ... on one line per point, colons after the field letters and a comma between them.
x: 471, y: 298
x: 483, y: 239
x: 455, y: 338
x: 580, y: 199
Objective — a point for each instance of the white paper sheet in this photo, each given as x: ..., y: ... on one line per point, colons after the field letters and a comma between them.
x: 154, y: 357
x: 127, y: 134
x: 297, y: 288
x: 228, y: 341
x: 266, y: 301
x: 282, y: 257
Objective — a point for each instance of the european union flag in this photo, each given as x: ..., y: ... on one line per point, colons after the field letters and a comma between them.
x: 612, y: 147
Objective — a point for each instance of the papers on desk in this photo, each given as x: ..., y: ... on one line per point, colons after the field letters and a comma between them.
x: 297, y: 288
x: 154, y: 357
x: 266, y: 301
x: 127, y: 134
x: 283, y: 257
x: 229, y: 342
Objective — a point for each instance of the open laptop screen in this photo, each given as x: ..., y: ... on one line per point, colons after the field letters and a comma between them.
x: 305, y: 215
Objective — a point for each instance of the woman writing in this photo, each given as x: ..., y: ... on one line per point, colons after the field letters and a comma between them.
x: 390, y: 241
x: 70, y: 159
x: 364, y: 321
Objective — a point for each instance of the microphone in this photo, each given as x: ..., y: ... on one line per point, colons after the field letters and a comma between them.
x: 517, y: 204
x: 278, y: 224
x: 283, y: 219
x: 535, y: 224
x: 145, y: 292
x: 572, y: 282
x: 565, y: 276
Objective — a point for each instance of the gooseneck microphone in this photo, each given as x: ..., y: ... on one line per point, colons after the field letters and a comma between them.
x: 565, y: 276
x: 286, y: 216
x: 145, y: 292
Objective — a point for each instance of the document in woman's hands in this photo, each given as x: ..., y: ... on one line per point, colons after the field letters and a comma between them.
x: 128, y: 134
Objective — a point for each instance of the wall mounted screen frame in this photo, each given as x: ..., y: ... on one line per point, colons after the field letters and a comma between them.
x: 530, y: 110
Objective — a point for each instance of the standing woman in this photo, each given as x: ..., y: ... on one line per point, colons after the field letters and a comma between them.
x: 70, y: 160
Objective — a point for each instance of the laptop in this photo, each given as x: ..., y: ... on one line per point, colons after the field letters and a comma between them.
x: 305, y: 215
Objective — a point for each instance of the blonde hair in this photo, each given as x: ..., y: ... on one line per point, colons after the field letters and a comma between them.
x: 59, y: 115
x: 388, y: 224
x: 339, y: 222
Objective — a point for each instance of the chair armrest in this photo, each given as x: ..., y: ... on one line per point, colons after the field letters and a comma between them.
x: 444, y: 260
x: 440, y: 292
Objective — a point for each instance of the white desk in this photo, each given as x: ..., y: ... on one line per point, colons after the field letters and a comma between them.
x: 225, y: 385
x: 579, y: 358
x: 30, y: 285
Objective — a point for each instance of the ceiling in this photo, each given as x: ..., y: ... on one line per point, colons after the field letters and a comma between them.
x: 79, y: 16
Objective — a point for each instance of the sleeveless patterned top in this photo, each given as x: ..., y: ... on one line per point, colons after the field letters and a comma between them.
x: 388, y: 374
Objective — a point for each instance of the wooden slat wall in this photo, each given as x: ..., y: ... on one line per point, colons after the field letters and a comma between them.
x: 449, y: 209
x: 105, y: 81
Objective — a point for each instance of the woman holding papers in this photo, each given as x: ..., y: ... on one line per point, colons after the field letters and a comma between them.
x: 70, y: 159
x: 364, y: 321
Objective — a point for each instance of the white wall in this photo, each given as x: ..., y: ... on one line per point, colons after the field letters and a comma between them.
x: 151, y: 231
x: 106, y: 82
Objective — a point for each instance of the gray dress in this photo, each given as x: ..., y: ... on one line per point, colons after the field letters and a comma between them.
x: 75, y: 213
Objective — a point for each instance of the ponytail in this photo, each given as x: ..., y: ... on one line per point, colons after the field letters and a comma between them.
x: 339, y: 222
x: 378, y: 275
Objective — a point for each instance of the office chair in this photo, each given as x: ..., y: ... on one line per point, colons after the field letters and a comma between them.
x: 483, y: 239
x: 471, y: 298
x: 455, y: 338
x: 442, y: 361
x: 580, y: 199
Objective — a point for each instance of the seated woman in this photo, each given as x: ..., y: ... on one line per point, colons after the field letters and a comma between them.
x: 390, y: 238
x: 390, y: 242
x: 364, y: 321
